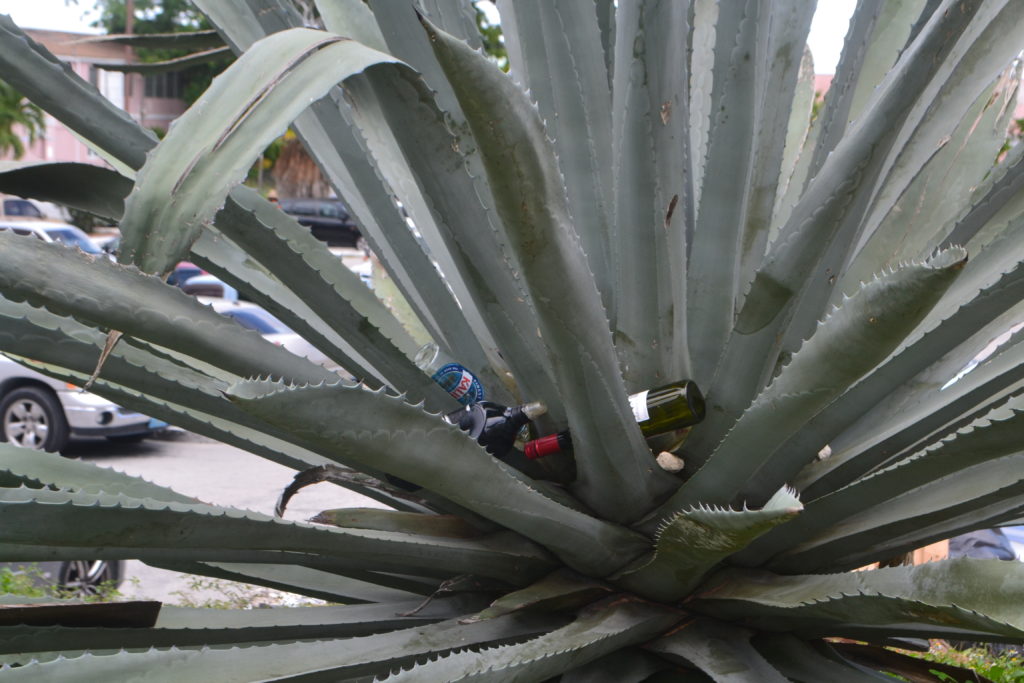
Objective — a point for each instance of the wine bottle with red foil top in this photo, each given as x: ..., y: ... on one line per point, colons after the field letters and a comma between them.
x: 453, y: 377
x: 657, y: 411
x: 494, y: 426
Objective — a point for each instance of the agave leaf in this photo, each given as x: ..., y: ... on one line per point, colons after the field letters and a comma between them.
x: 712, y: 268
x: 34, y: 469
x: 905, y: 666
x: 170, y: 65
x: 368, y: 330
x: 591, y: 636
x: 653, y: 194
x: 957, y: 82
x: 82, y: 186
x: 54, y: 340
x: 939, y: 508
x: 487, y: 253
x: 988, y: 439
x: 559, y: 591
x: 397, y: 21
x: 702, y: 37
x: 825, y: 215
x: 352, y: 18
x: 835, y: 115
x: 448, y: 526
x: 109, y: 295
x: 334, y: 417
x: 368, y: 586
x: 349, y: 588
x: 466, y: 229
x: 186, y: 40
x: 223, y: 257
x: 941, y: 599
x: 801, y: 136
x: 332, y: 659
x: 850, y: 342
x: 996, y: 206
x: 154, y: 383
x: 987, y: 290
x: 628, y: 665
x: 722, y: 651
x: 943, y: 184
x: 802, y: 660
x: 693, y: 542
x: 910, y: 421
x: 991, y: 45
x: 342, y: 146
x: 455, y: 17
x: 52, y: 84
x: 128, y: 527
x: 896, y: 27
x: 555, y: 53
x: 324, y: 127
x: 1001, y: 187
x: 531, y: 201
x: 781, y: 43
x: 245, y: 433
x: 184, y: 627
x: 202, y: 157
x: 463, y: 332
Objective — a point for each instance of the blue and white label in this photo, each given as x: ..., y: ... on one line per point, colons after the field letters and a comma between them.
x: 460, y: 383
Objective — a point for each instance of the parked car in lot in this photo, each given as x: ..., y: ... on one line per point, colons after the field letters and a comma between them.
x: 15, y: 207
x: 52, y: 231
x: 254, y: 317
x: 328, y: 219
x: 208, y: 285
x: 39, y: 412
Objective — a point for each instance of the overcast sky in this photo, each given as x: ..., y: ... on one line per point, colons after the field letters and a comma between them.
x: 826, y: 39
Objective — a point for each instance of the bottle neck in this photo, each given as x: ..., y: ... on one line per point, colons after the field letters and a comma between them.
x: 548, y: 445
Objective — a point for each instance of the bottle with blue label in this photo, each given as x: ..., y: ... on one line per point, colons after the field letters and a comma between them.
x: 453, y: 377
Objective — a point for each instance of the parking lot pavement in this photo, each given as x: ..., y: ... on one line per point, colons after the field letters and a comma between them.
x: 214, y: 473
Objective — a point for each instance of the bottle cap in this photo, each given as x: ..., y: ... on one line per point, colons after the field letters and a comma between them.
x: 538, y: 448
x: 534, y: 409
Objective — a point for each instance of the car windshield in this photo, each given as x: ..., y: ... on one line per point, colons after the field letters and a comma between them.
x: 73, y: 238
x: 256, y: 319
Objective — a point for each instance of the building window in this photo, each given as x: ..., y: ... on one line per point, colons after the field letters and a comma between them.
x: 164, y: 85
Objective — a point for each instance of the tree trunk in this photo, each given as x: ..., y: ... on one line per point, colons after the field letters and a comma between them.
x: 297, y: 175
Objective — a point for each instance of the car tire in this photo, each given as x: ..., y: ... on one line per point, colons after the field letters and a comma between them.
x: 32, y: 417
x: 89, y: 577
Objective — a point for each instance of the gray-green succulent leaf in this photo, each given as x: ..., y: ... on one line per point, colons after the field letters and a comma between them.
x: 649, y: 194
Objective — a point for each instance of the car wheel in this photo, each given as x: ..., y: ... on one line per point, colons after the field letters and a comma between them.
x: 32, y: 417
x: 89, y: 577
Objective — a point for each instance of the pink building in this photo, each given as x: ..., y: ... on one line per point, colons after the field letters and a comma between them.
x: 153, y: 101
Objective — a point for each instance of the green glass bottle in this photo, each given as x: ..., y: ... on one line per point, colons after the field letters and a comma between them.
x: 669, y: 407
x: 665, y: 409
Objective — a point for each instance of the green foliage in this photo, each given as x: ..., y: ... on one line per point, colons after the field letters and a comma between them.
x: 32, y: 582
x: 644, y: 196
x: 494, y: 42
x: 160, y: 17
x: 18, y: 117
x: 998, y: 664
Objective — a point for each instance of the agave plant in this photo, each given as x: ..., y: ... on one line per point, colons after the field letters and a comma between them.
x: 646, y: 196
